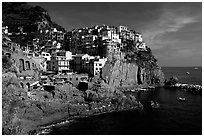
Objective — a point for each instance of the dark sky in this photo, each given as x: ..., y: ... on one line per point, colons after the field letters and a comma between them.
x: 172, y: 30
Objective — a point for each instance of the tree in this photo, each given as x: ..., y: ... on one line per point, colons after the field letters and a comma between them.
x: 7, y: 62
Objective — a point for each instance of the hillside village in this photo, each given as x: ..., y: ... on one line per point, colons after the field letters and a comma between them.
x: 50, y: 79
x: 86, y: 52
x: 49, y: 74
x: 52, y: 76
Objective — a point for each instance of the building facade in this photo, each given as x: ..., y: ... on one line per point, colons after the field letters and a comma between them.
x: 60, y: 61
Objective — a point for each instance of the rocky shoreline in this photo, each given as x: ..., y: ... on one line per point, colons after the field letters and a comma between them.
x: 128, y: 104
x: 94, y: 112
x: 173, y: 82
x: 187, y: 87
x: 24, y: 113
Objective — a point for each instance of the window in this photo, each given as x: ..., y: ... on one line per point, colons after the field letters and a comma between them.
x: 21, y: 67
x: 76, y: 78
x: 33, y: 65
x: 100, y: 64
x: 8, y: 54
x: 27, y: 65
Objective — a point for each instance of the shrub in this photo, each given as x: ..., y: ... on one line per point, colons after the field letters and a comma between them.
x: 6, y: 62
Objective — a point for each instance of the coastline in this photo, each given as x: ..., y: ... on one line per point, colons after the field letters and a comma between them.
x: 96, y: 78
x: 61, y: 117
x: 46, y: 112
x: 194, y: 88
x: 42, y: 128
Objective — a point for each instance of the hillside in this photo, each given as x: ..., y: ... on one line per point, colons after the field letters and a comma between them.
x: 21, y: 15
x: 133, y: 69
x: 25, y: 110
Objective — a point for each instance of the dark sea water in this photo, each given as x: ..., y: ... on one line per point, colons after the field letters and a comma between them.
x: 195, y: 76
x: 173, y: 117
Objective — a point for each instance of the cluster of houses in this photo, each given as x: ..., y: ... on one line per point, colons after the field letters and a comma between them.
x: 92, y: 40
x: 88, y: 48
x: 65, y: 62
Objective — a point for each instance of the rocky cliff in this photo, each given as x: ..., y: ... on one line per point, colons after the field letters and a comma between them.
x: 133, y: 68
x: 25, y: 112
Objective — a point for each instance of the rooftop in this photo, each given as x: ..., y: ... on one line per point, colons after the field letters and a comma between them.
x: 79, y: 55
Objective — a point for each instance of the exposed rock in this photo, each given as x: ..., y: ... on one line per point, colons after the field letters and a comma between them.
x: 129, y: 74
x: 23, y: 112
x: 185, y: 87
x: 172, y: 81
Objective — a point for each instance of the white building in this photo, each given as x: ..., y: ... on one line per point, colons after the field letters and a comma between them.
x: 60, y: 61
x: 122, y: 28
x: 132, y: 35
x: 93, y: 65
x: 5, y: 30
x: 53, y: 30
x: 88, y: 64
x: 88, y: 39
x: 58, y: 45
x: 141, y: 46
x: 46, y: 55
x: 110, y: 35
x: 98, y: 65
x: 139, y: 37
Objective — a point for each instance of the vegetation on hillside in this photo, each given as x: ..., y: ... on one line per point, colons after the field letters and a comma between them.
x: 15, y: 14
x: 21, y: 14
x: 141, y: 58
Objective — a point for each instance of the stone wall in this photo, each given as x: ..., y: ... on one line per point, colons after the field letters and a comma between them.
x: 24, y: 65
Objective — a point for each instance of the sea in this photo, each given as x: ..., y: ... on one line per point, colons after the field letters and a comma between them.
x: 173, y: 117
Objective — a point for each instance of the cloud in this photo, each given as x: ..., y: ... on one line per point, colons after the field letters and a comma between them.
x: 183, y: 53
x: 175, y: 36
x: 168, y: 22
x: 179, y: 23
x: 172, y: 22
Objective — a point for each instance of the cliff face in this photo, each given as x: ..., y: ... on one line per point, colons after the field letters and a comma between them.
x: 138, y: 69
x: 25, y: 112
x: 129, y: 74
